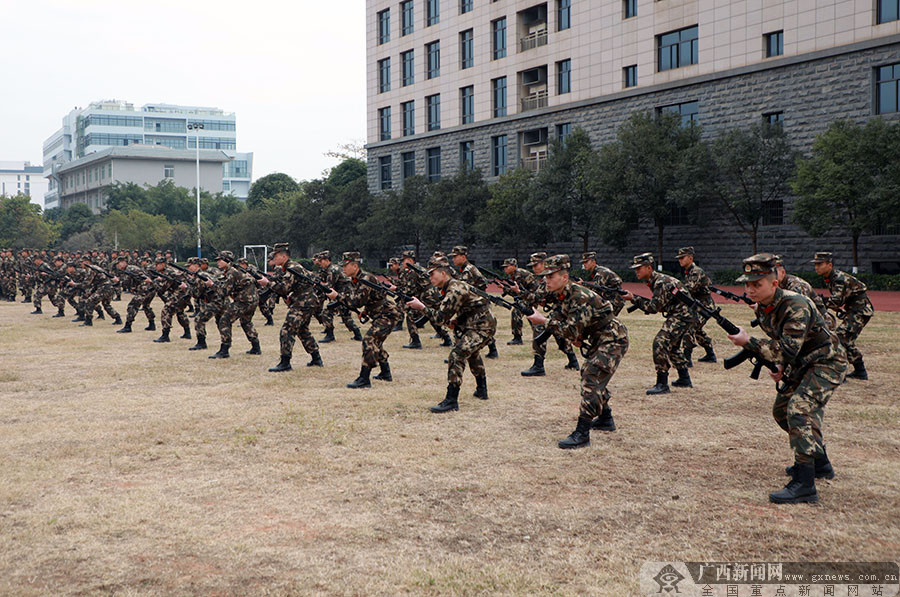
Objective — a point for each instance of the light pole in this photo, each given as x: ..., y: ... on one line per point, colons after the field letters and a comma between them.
x: 197, y: 126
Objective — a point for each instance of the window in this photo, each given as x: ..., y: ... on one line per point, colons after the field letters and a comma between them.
x: 563, y: 130
x: 563, y: 14
x: 498, y: 96
x: 498, y: 155
x: 226, y: 185
x: 407, y: 59
x: 629, y: 73
x: 103, y: 119
x: 432, y: 12
x: 689, y: 111
x: 406, y: 18
x: 384, y: 164
x: 409, y: 118
x: 164, y: 125
x: 466, y: 50
x: 384, y: 75
x: 774, y: 118
x: 408, y: 164
x: 465, y: 6
x: 111, y: 139
x: 888, y: 10
x: 774, y: 44
x: 173, y: 142
x: 498, y: 38
x: 678, y: 216
x: 563, y: 76
x: 467, y: 155
x: 384, y: 26
x: 433, y: 51
x: 168, y: 171
x: 630, y: 9
x: 773, y: 213
x: 887, y: 88
x: 384, y: 123
x: 433, y: 104
x: 678, y: 48
x: 467, y: 105
x: 211, y: 142
x: 433, y: 164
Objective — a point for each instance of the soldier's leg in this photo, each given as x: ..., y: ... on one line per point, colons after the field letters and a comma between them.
x: 146, y: 306
x: 848, y: 331
x: 228, y: 317
x: 106, y: 298
x: 247, y: 324
x: 539, y: 350
x: 39, y: 292
x: 347, y: 319
x: 165, y: 318
x: 289, y: 331
x: 470, y: 344
x: 132, y: 308
x: 515, y: 324
x: 369, y: 347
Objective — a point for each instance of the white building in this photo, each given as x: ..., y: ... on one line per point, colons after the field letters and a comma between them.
x: 116, y: 123
x: 22, y: 177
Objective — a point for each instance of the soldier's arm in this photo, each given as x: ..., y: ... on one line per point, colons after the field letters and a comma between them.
x: 792, y: 331
x: 840, y: 291
x: 446, y: 309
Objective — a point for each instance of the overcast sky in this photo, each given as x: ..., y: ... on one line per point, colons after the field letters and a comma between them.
x: 293, y: 72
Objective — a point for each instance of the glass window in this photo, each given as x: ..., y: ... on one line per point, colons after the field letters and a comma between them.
x: 433, y: 51
x: 563, y: 130
x: 384, y: 164
x: 408, y: 163
x: 498, y: 96
x: 165, y: 125
x: 384, y: 75
x: 678, y: 48
x: 384, y: 123
x: 498, y: 155
x: 888, y: 10
x: 466, y: 50
x: 774, y: 118
x: 563, y: 14
x: 774, y: 44
x: 630, y: 8
x: 467, y: 105
x: 498, y: 38
x: 384, y: 26
x: 409, y: 118
x: 467, y: 155
x: 563, y: 76
x: 433, y: 164
x: 630, y: 75
x: 465, y: 6
x: 169, y: 171
x: 407, y: 59
x: 432, y: 12
x: 689, y: 111
x: 433, y: 104
x: 887, y: 88
x: 406, y: 18
x: 173, y: 142
x: 773, y: 213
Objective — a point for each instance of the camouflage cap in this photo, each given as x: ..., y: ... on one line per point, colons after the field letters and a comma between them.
x: 122, y: 258
x: 350, y: 257
x: 204, y: 261
x: 822, y: 257
x: 410, y: 254
x: 160, y: 260
x: 757, y: 267
x: 59, y: 258
x: 684, y: 251
x: 281, y: 248
x: 71, y: 263
x: 243, y: 261
x: 145, y: 257
x: 585, y: 257
x: 779, y: 261
x: 394, y: 261
x: 554, y: 264
x: 193, y: 261
x: 511, y: 261
x: 459, y: 250
x: 437, y: 254
x: 642, y: 259
x: 225, y: 256
x: 322, y: 255
x: 537, y: 258
x: 438, y: 262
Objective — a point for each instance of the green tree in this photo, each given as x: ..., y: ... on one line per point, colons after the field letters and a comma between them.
x: 348, y: 171
x: 21, y: 224
x: 343, y: 215
x: 846, y: 182
x: 270, y: 187
x: 138, y: 229
x: 507, y: 219
x: 78, y: 218
x: 452, y: 208
x: 213, y: 208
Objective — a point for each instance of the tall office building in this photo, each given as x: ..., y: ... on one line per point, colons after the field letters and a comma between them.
x: 116, y: 123
x: 487, y: 83
x: 23, y: 178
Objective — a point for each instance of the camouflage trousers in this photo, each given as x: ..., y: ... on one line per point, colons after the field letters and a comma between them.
x: 326, y: 317
x: 9, y: 288
x: 515, y: 322
x: 848, y: 331
x: 667, y: 344
x: 373, y: 351
x: 137, y: 303
x: 204, y: 312
x: 174, y: 306
x: 411, y: 316
x: 238, y: 311
x: 541, y: 349
x: 800, y: 409
x: 25, y: 287
x: 598, y: 369
x: 466, y: 349
x: 696, y: 336
x: 296, y: 325
x: 267, y: 307
x: 49, y: 290
x: 101, y: 296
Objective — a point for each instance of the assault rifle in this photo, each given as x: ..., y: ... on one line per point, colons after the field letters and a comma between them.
x: 731, y: 329
x: 739, y: 298
x: 607, y: 290
x: 493, y: 276
x: 44, y: 268
x: 198, y: 274
x: 398, y: 294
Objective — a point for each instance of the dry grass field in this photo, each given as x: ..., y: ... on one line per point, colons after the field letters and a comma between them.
x: 134, y: 468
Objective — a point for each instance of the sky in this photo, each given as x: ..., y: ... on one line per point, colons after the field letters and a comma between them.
x: 293, y: 72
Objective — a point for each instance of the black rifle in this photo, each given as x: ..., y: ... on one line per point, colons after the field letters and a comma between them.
x: 739, y: 298
x: 730, y: 329
x: 837, y: 311
x: 396, y: 294
x: 493, y: 276
x: 156, y: 274
x: 198, y: 274
x: 100, y: 270
x: 608, y: 290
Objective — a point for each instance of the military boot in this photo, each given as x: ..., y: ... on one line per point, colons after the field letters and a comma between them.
x: 269, y: 320
x: 414, y: 342
x: 859, y: 371
x: 801, y: 488
x: 328, y: 337
x: 398, y: 327
x: 164, y: 337
x: 481, y: 387
x: 605, y: 421
x: 687, y: 356
x: 709, y: 357
x: 80, y: 316
x: 516, y: 341
x: 61, y: 312
x: 580, y: 438
x: 283, y: 365
x: 822, y: 467
x: 37, y: 311
x: 186, y: 335
x: 151, y: 327
x: 117, y: 320
x: 662, y: 384
x: 100, y: 314
x: 254, y: 347
x: 314, y: 361
x: 363, y: 380
x: 684, y: 379
x: 445, y: 340
x: 492, y: 350
x: 573, y: 361
x: 126, y: 329
x: 223, y: 352
x: 450, y: 402
x: 356, y: 335
x: 87, y: 322
x: 537, y: 368
x: 200, y: 345
x: 385, y: 373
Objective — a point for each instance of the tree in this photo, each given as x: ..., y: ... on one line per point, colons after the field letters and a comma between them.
x: 353, y: 150
x: 452, y: 207
x: 138, y: 229
x: 348, y: 171
x: 343, y: 214
x: 78, y: 218
x: 213, y: 208
x: 846, y: 182
x: 21, y: 224
x: 507, y: 218
x: 251, y: 227
x: 753, y: 168
x: 270, y: 187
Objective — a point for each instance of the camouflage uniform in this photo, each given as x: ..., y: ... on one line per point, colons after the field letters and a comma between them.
x: 44, y: 286
x: 143, y: 289
x: 97, y: 291
x: 210, y: 302
x: 603, y: 276
x: 470, y: 274
x: 302, y: 302
x: 333, y: 277
x: 679, y: 321
x: 175, y: 299
x: 526, y: 282
x: 382, y: 312
x: 697, y: 283
x: 25, y: 276
x: 241, y: 288
x: 850, y: 301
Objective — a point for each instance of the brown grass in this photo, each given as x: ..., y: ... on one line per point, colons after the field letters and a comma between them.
x: 134, y: 468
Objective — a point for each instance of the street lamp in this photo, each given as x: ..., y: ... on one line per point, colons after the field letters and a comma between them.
x: 197, y: 126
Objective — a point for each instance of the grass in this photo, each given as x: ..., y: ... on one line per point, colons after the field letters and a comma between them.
x: 135, y: 468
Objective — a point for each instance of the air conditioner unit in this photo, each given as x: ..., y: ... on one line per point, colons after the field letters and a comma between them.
x: 534, y: 76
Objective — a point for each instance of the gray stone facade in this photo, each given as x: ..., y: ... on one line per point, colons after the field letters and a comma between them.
x: 810, y: 90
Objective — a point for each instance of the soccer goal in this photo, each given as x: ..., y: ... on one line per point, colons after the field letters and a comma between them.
x: 258, y: 255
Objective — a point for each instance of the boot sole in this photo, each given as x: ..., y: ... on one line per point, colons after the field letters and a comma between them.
x: 573, y: 446
x: 443, y: 410
x: 807, y: 499
x: 675, y: 384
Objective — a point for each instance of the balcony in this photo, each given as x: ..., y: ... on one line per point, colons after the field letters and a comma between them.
x: 534, y: 101
x: 535, y: 163
x: 533, y: 40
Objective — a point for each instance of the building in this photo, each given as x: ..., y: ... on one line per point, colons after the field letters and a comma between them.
x: 116, y: 123
x: 22, y: 177
x: 86, y: 179
x: 487, y: 83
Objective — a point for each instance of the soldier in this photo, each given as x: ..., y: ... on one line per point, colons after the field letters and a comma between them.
x: 300, y: 296
x: 475, y: 328
x: 266, y: 304
x: 521, y: 280
x: 172, y: 288
x: 331, y: 276
x: 241, y: 288
x: 468, y: 273
x: 381, y: 311
x: 210, y: 301
x: 603, y: 276
x: 26, y: 279
x: 796, y: 284
x: 587, y: 320
x: 43, y: 285
x: 850, y: 301
x: 409, y: 283
x: 697, y: 283
x: 58, y: 298
x: 98, y: 291
x: 136, y: 280
x: 811, y: 364
x: 667, y: 343
x: 393, y: 279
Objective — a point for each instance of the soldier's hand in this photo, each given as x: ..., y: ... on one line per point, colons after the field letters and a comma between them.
x: 514, y: 288
x: 628, y: 296
x: 778, y: 375
x: 392, y: 287
x: 116, y: 279
x: 537, y: 318
x: 741, y: 338
x: 263, y: 282
x: 332, y: 295
x: 209, y: 282
x: 415, y: 304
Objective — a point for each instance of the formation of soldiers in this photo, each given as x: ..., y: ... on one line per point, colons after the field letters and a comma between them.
x: 810, y: 344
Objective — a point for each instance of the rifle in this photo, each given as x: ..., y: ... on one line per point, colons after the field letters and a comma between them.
x: 396, y: 294
x: 838, y: 312
x: 156, y: 274
x: 607, y: 290
x: 100, y: 270
x: 493, y: 276
x: 202, y: 275
x: 740, y: 298
x: 731, y: 329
